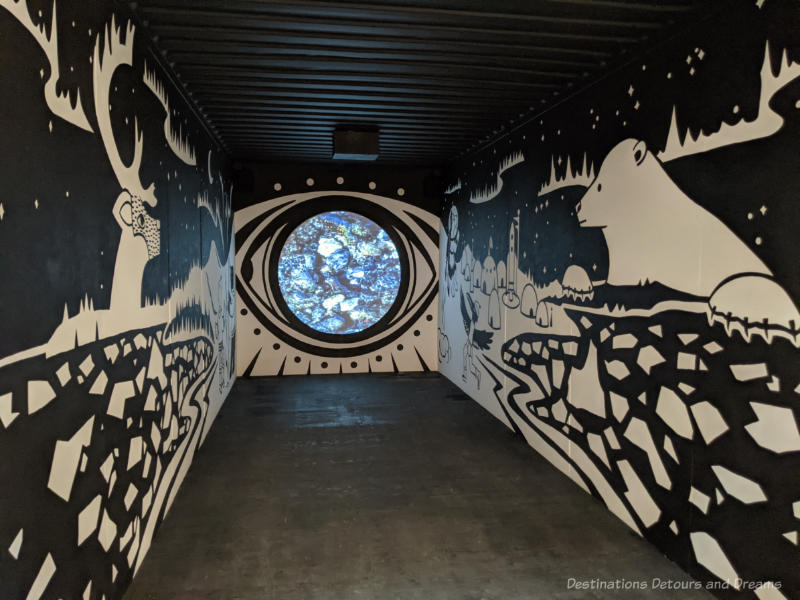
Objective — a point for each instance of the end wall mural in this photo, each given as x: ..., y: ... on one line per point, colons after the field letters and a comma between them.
x: 620, y: 285
x: 336, y: 279
x: 118, y: 314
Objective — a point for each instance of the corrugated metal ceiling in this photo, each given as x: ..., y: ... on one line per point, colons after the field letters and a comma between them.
x: 274, y: 78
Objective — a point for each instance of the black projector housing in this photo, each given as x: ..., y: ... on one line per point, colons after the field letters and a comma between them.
x: 355, y: 145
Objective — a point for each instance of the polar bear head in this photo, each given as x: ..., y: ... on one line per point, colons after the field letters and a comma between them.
x: 613, y: 193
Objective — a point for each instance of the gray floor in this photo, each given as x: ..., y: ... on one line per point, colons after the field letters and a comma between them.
x: 377, y: 486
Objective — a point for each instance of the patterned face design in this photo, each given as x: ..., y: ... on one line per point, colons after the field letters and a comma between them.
x: 147, y: 227
x: 339, y: 272
x: 130, y: 212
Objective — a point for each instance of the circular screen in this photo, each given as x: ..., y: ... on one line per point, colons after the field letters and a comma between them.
x: 339, y: 272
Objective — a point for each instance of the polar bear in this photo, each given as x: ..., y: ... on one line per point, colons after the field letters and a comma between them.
x: 656, y: 233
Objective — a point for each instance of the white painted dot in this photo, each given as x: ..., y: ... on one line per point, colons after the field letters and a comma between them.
x: 401, y: 192
x: 749, y: 216
x: 644, y: 67
x: 797, y: 104
x: 736, y: 109
x: 340, y: 180
x: 309, y: 182
x: 277, y: 187
x: 669, y: 75
x: 759, y: 241
x: 372, y: 185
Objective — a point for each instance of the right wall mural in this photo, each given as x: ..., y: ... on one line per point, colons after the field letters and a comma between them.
x: 619, y: 284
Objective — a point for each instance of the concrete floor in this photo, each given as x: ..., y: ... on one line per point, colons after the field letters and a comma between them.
x: 374, y: 486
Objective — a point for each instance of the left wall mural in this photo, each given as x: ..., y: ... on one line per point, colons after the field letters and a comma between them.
x: 117, y: 312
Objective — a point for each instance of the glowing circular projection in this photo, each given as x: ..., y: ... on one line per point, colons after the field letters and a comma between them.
x: 339, y: 272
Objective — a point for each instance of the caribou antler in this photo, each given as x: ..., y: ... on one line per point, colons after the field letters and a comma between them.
x: 116, y: 53
x: 59, y: 104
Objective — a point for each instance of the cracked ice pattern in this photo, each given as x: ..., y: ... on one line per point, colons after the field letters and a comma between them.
x: 117, y: 499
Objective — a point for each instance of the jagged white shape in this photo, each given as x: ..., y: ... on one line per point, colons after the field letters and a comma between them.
x: 66, y: 458
x: 769, y: 591
x: 453, y: 188
x: 16, y: 545
x: 585, y: 390
x: 178, y: 143
x: 43, y: 577
x: 775, y: 429
x: 699, y: 499
x: 637, y: 494
x: 638, y: 433
x: 88, y: 519
x: 767, y: 123
x: 582, y: 177
x: 491, y: 191
x: 59, y: 104
x: 709, y: 421
x: 674, y: 413
x: 708, y: 553
x: 7, y: 414
x: 743, y: 489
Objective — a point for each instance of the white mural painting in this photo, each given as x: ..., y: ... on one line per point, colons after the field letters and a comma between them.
x: 120, y: 397
x: 667, y: 385
x: 491, y: 191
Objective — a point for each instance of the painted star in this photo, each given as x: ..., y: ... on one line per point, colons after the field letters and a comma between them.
x: 763, y: 210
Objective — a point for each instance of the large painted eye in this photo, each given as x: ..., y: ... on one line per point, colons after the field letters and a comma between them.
x: 336, y: 281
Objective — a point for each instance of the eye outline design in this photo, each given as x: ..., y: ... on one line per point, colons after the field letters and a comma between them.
x: 261, y: 230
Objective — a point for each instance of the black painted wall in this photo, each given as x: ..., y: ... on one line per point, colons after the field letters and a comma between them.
x: 117, y: 310
x: 619, y: 284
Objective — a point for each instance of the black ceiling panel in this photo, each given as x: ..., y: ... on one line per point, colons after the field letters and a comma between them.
x: 274, y: 78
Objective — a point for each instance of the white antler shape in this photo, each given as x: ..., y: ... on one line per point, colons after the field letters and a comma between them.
x: 59, y: 104
x: 116, y: 53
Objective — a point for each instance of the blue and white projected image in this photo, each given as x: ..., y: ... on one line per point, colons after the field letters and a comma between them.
x: 339, y: 272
